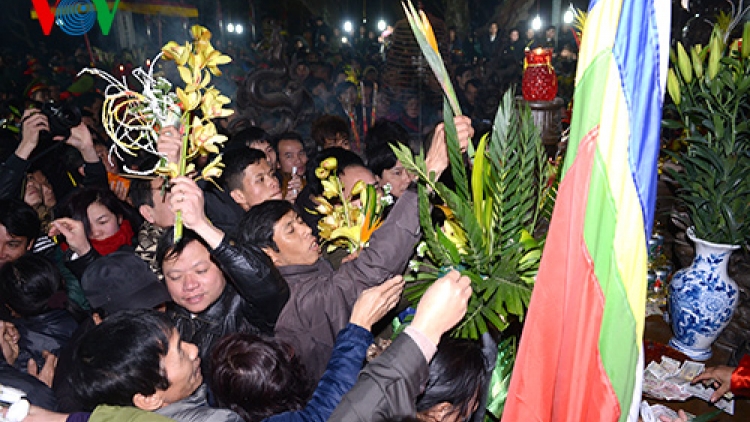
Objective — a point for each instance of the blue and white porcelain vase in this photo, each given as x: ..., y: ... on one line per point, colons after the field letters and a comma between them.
x: 702, y: 299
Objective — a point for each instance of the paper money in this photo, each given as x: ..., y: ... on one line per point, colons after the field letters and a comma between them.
x: 690, y: 370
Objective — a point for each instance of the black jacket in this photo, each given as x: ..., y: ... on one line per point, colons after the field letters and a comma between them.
x: 37, y: 393
x: 49, y: 331
x: 251, y: 302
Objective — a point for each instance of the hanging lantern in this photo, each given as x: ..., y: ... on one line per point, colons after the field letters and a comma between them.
x: 539, y: 78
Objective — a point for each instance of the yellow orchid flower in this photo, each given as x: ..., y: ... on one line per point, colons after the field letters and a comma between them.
x: 173, y: 170
x: 213, y: 169
x: 200, y: 33
x: 357, y: 188
x: 321, y: 173
x: 213, y: 59
x: 204, y: 139
x: 350, y: 233
x: 455, y: 234
x: 330, y: 190
x: 329, y: 163
x: 178, y: 53
x: 324, y: 207
x: 189, y: 100
x: 213, y: 103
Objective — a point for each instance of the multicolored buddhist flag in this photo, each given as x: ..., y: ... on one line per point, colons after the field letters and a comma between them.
x: 578, y: 358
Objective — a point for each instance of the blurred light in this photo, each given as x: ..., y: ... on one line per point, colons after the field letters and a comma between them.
x: 382, y: 25
x: 122, y: 68
x: 568, y: 16
x: 348, y: 26
x: 238, y: 29
x: 344, y: 40
x: 230, y: 27
x: 536, y: 24
x: 148, y: 62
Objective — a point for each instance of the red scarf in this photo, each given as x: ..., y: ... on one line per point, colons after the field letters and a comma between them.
x: 124, y: 236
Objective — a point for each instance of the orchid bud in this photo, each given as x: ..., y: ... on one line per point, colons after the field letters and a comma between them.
x: 683, y: 62
x: 673, y: 87
x: 697, y: 62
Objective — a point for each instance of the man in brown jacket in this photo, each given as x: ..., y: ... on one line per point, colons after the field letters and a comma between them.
x: 321, y: 298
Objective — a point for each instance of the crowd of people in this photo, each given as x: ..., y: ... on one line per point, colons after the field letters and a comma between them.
x: 105, y: 313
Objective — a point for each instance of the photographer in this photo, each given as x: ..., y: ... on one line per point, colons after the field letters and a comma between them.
x: 34, y: 125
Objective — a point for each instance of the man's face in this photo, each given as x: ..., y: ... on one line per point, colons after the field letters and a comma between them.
x: 397, y: 177
x: 259, y: 185
x: 160, y: 215
x: 12, y: 247
x: 354, y: 174
x: 266, y: 147
x: 292, y: 154
x: 471, y: 94
x: 183, y: 368
x: 513, y: 36
x: 296, y: 243
x: 551, y: 33
x: 341, y: 140
x: 193, y: 280
x: 493, y: 29
x: 464, y: 77
x: 33, y: 193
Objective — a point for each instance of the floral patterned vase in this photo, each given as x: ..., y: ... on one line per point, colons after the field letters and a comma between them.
x: 702, y: 299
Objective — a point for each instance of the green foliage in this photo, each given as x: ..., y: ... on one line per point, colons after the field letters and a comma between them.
x: 714, y: 115
x: 491, y: 215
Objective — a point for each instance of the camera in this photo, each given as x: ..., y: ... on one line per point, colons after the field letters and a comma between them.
x: 61, y: 117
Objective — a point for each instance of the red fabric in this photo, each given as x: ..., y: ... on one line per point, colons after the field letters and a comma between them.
x: 124, y: 236
x: 558, y: 374
x: 741, y: 378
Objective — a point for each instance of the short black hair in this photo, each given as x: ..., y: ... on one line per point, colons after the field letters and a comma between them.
x: 168, y: 249
x: 28, y: 283
x: 140, y: 193
x: 258, y: 377
x: 458, y: 375
x: 378, y: 151
x: 256, y: 226
x: 19, y: 219
x: 121, y: 357
x: 235, y: 165
x: 246, y: 137
x: 76, y: 207
x: 286, y: 136
x: 327, y: 127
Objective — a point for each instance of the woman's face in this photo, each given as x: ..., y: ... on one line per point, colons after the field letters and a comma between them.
x: 33, y: 194
x: 412, y: 108
x: 103, y: 222
x: 397, y: 177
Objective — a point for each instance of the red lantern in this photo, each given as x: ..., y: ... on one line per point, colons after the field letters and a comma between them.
x: 539, y: 78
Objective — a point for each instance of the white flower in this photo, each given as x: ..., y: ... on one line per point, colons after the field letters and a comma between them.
x: 414, y: 265
x: 421, y: 249
x: 386, y: 200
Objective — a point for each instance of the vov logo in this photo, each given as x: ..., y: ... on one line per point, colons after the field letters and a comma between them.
x: 75, y: 17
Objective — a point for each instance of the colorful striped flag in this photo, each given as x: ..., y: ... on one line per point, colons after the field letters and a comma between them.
x: 578, y: 358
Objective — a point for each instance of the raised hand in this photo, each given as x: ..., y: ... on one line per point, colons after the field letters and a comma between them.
x: 375, y: 302
x: 74, y: 232
x: 443, y: 305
